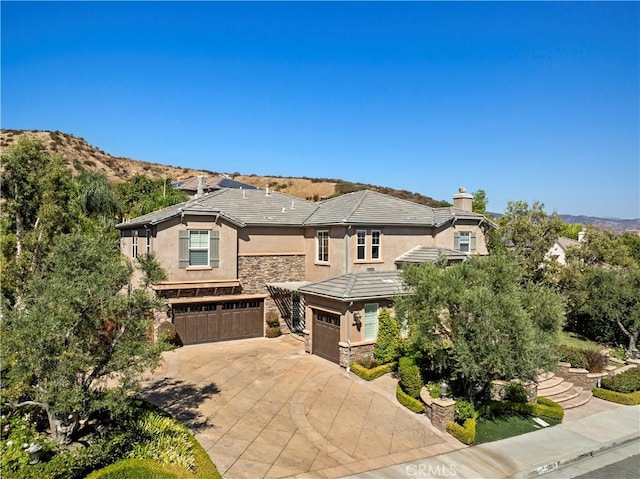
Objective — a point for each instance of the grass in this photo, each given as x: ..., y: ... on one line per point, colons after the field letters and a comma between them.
x: 504, y: 425
x: 575, y: 340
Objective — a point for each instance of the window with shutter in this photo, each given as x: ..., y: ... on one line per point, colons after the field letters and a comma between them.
x: 371, y: 321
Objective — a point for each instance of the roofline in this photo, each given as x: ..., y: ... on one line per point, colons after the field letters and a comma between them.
x: 356, y: 298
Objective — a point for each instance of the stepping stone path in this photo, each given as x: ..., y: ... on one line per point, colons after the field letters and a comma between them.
x: 561, y: 391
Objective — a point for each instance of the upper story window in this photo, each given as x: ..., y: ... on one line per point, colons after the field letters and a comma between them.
x: 198, y: 248
x: 361, y: 244
x: 465, y: 242
x: 134, y: 244
x: 322, y: 245
x: 375, y: 244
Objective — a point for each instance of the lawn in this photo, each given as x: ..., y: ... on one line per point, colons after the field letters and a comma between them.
x: 574, y: 340
x: 507, y: 424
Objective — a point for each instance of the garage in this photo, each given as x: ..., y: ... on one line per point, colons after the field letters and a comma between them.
x: 219, y: 321
x: 326, y: 335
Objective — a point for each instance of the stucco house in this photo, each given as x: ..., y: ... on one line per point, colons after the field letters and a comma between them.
x: 234, y: 255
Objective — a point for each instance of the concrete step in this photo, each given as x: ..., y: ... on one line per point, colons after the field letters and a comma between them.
x: 556, y: 389
x: 567, y: 395
x: 545, y: 376
x: 583, y: 398
x: 623, y: 368
x: 547, y: 384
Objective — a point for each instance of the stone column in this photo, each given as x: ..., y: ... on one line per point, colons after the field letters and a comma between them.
x: 442, y: 412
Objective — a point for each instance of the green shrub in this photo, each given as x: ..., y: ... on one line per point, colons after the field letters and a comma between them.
x: 369, y: 363
x: 140, y: 469
x: 387, y: 346
x: 630, y: 399
x: 435, y: 390
x: 464, y: 410
x: 466, y: 434
x: 575, y: 356
x: 625, y: 382
x: 167, y: 332
x: 619, y: 353
x: 544, y: 407
x: 273, y: 320
x: 596, y: 361
x: 410, y: 377
x: 407, y: 401
x: 373, y: 373
x: 515, y: 392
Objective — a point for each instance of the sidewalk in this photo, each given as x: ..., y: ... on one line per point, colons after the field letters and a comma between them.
x: 528, y: 455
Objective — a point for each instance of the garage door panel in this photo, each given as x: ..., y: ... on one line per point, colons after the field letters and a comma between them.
x: 201, y: 323
x: 326, y: 335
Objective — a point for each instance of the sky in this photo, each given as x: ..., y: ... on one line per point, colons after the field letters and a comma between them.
x: 531, y: 101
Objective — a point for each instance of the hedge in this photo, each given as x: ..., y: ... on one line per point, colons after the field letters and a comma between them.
x: 625, y: 382
x: 630, y: 399
x: 544, y: 407
x: 407, y: 401
x: 140, y: 469
x: 465, y: 434
x: 373, y: 373
x: 410, y: 377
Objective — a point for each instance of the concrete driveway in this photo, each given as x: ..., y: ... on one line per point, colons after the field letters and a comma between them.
x: 264, y: 408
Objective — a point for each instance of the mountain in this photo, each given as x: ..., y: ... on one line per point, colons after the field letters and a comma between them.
x: 79, y: 155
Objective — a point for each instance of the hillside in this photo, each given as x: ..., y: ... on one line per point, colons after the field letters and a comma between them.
x: 80, y: 155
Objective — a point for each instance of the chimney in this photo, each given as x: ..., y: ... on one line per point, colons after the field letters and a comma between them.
x: 463, y: 200
x: 201, y: 182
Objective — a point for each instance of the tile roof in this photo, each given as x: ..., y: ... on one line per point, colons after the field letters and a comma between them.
x: 358, y: 286
x: 422, y: 254
x: 239, y: 206
x: 256, y: 207
x: 211, y: 183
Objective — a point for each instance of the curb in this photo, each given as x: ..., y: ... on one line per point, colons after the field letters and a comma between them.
x: 576, y: 457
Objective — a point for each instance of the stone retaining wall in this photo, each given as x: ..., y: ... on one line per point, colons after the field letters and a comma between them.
x: 358, y: 353
x: 498, y: 386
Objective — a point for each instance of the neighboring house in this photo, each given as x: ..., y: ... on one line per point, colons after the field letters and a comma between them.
x: 198, y: 185
x: 233, y: 255
x: 558, y: 250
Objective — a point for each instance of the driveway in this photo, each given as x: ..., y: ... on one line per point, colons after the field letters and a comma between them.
x: 264, y: 408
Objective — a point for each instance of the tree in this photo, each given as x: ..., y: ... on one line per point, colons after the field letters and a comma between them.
x: 142, y: 195
x: 78, y: 345
x: 528, y: 232
x: 93, y: 197
x: 480, y: 202
x: 387, y: 347
x: 36, y: 189
x: 571, y: 230
x: 500, y: 326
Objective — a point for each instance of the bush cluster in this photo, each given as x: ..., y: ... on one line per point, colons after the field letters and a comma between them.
x: 387, y: 347
x: 629, y: 399
x: 410, y: 376
x: 466, y: 433
x: 369, y: 374
x: 140, y: 469
x: 625, y: 382
x: 515, y: 392
x: 619, y: 353
x: 407, y: 401
x: 575, y: 356
x: 464, y: 410
x: 544, y: 407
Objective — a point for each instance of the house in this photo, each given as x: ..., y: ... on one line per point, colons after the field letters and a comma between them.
x: 558, y: 250
x: 233, y: 255
x: 198, y: 185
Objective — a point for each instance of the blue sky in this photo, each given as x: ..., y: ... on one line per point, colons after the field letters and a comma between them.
x: 528, y: 101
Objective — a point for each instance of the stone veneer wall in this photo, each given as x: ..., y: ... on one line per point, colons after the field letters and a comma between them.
x: 254, y: 272
x: 497, y: 389
x: 358, y: 353
x: 439, y: 411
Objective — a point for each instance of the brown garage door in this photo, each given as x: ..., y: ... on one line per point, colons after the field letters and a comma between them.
x: 326, y: 335
x: 209, y: 322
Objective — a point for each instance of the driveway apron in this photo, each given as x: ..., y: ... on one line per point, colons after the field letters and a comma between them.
x: 264, y: 408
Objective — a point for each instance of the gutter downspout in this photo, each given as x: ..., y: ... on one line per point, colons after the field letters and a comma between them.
x: 346, y: 249
x: 348, y: 340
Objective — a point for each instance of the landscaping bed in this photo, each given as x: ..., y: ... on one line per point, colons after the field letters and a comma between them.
x: 507, y: 424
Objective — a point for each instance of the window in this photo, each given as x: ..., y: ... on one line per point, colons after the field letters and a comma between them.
x: 323, y: 246
x: 371, y: 321
x: 375, y: 244
x: 148, y: 250
x: 134, y: 244
x: 465, y: 242
x: 198, y: 248
x: 361, y: 247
